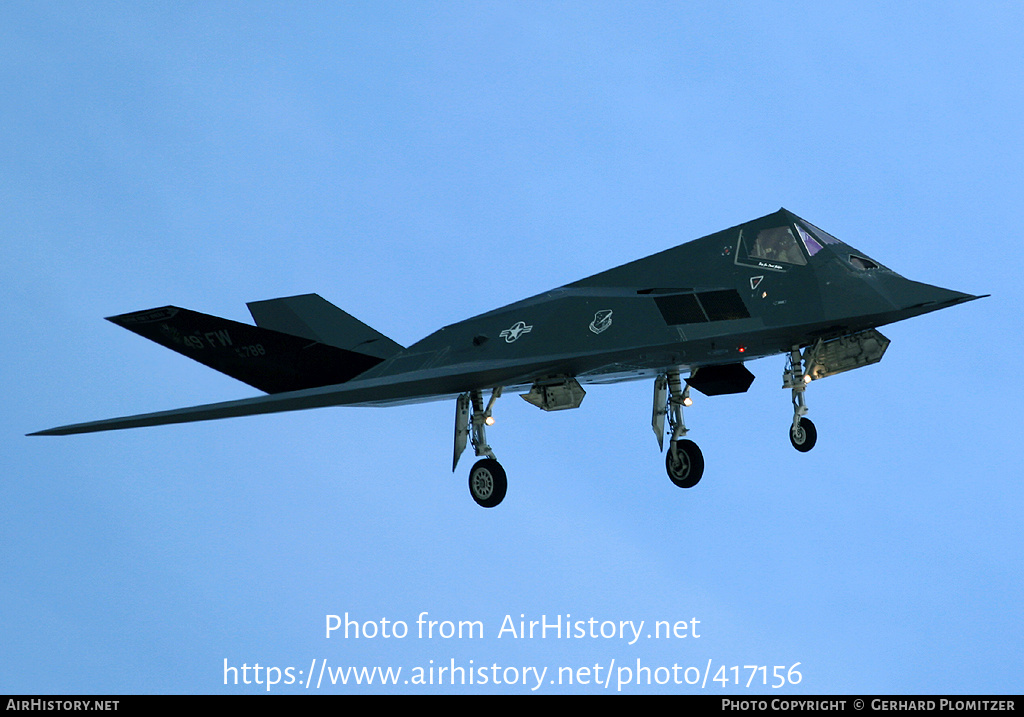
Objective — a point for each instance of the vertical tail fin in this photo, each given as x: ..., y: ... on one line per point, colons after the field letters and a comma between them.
x: 316, y: 319
x: 272, y: 361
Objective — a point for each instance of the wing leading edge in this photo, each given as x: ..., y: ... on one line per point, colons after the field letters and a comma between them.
x: 275, y: 403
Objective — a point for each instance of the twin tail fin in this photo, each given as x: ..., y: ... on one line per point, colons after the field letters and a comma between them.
x: 299, y: 342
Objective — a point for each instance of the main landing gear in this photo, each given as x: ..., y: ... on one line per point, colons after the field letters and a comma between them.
x: 684, y: 461
x: 487, y: 483
x: 487, y: 480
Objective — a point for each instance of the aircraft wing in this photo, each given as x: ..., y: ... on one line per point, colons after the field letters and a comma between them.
x: 274, y: 403
x: 413, y: 387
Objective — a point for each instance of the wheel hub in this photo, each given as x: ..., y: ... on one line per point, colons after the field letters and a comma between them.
x: 483, y: 484
x: 680, y: 465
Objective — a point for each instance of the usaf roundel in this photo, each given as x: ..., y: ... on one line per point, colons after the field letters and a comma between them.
x: 518, y: 329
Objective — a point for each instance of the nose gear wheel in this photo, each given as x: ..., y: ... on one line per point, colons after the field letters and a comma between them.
x: 803, y: 435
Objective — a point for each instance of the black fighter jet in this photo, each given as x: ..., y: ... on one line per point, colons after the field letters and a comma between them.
x: 775, y: 285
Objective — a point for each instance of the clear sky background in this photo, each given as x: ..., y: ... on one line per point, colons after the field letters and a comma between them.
x: 418, y: 163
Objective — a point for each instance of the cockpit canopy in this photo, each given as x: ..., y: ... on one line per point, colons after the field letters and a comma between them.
x: 774, y: 242
x: 778, y: 244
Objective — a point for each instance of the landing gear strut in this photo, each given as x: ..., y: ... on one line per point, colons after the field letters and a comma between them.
x: 487, y: 480
x: 684, y: 462
x: 802, y: 433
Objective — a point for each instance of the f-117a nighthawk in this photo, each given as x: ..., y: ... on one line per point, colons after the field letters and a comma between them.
x: 774, y: 285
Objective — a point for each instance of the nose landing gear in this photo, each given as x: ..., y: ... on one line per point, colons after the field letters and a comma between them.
x: 802, y: 433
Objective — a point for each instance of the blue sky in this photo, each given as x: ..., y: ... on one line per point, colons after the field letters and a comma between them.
x: 418, y: 163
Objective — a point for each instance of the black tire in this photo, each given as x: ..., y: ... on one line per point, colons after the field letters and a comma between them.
x: 804, y: 436
x: 687, y: 469
x: 487, y: 483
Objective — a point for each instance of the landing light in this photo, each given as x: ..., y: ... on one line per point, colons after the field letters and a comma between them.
x: 489, y: 420
x: 687, y: 401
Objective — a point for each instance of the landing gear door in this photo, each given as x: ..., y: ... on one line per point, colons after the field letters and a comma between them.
x: 461, y: 427
x: 660, y: 409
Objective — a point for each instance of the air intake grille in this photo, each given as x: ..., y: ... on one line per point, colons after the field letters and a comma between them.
x: 704, y: 306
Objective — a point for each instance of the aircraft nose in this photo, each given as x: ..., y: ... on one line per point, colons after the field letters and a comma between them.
x: 912, y: 298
